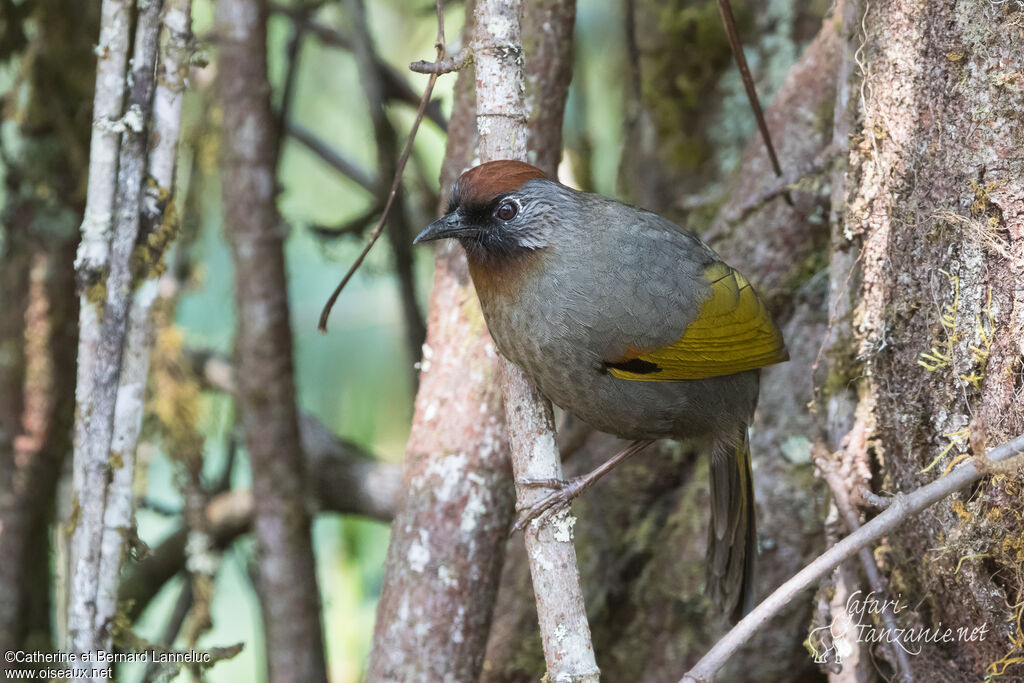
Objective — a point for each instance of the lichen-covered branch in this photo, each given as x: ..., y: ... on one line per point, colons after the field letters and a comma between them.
x: 286, y: 571
x: 502, y: 127
x: 103, y: 470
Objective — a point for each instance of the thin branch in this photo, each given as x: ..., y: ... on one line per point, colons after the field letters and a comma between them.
x: 109, y: 412
x: 379, y: 227
x: 399, y: 231
x: 443, y: 66
x: 901, y: 510
x: 344, y: 478
x: 352, y: 227
x: 395, y: 86
x: 729, y: 21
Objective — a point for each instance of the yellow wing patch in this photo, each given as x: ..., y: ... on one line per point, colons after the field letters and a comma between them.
x: 733, y: 332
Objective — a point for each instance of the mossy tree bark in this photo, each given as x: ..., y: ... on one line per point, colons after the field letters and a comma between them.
x: 930, y: 236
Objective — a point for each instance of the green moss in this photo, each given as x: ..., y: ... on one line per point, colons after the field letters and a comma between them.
x: 96, y: 293
x: 681, y: 69
x: 148, y: 256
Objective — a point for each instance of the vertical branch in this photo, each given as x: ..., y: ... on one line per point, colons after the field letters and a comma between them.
x: 131, y: 317
x: 448, y: 538
x: 286, y: 571
x: 502, y: 127
x: 103, y: 473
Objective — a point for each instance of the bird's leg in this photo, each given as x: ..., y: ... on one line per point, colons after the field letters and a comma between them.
x: 565, y: 490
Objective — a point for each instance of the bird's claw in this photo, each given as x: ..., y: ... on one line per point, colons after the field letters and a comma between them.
x: 562, y: 494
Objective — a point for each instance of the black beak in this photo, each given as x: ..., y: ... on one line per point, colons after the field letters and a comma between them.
x: 445, y: 227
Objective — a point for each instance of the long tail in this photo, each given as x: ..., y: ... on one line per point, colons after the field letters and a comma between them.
x: 732, y: 540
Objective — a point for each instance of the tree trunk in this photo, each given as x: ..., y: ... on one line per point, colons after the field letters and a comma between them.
x: 286, y: 570
x: 929, y: 241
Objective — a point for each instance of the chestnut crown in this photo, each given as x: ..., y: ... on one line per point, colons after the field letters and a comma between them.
x: 497, y: 209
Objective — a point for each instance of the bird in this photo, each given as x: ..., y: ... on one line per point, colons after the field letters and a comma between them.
x: 632, y: 324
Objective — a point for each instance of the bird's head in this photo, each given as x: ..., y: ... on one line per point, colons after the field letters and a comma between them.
x: 499, y: 211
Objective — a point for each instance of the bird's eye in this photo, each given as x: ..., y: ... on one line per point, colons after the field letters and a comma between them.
x: 507, y: 211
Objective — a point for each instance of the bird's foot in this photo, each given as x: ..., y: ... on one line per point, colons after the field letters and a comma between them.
x: 563, y: 492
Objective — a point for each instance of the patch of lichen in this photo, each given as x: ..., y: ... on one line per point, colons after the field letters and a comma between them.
x: 95, y: 293
x: 679, y: 71
x: 148, y: 255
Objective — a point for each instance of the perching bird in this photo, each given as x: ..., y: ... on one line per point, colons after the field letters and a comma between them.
x: 630, y: 323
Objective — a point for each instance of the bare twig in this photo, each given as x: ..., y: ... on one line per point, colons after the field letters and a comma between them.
x: 379, y: 227
x: 502, y: 125
x: 398, y: 229
x: 442, y: 66
x: 351, y: 227
x: 902, y: 509
x: 344, y: 478
x: 873, y: 499
x: 748, y: 83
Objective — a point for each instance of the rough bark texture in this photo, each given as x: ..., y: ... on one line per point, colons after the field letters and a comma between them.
x: 286, y: 572
x: 108, y: 413
x: 448, y: 537
x: 934, y: 236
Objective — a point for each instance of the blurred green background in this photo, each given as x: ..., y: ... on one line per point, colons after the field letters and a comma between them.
x: 356, y: 378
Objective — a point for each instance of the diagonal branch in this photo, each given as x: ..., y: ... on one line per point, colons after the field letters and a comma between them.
x: 902, y: 509
x: 400, y: 168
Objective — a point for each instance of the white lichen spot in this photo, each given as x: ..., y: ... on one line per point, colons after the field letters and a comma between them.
x: 458, y: 625
x: 537, y: 555
x: 562, y: 525
x: 474, y: 509
x: 561, y: 632
x: 133, y: 119
x: 500, y: 27
x: 403, y: 609
x: 449, y: 470
x: 446, y: 577
x: 419, y: 553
